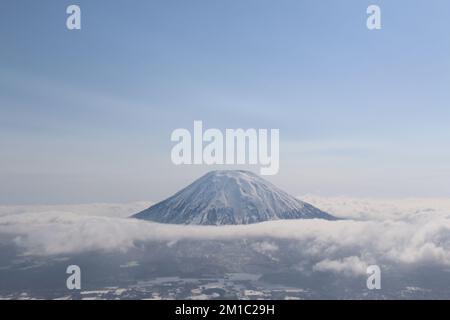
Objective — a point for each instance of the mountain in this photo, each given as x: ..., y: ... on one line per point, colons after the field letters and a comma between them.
x: 230, y: 197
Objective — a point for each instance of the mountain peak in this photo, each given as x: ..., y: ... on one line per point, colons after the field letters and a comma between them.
x: 230, y: 197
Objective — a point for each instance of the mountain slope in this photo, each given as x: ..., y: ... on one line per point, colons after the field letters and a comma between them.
x: 230, y: 197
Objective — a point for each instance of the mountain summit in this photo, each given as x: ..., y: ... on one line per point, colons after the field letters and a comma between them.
x: 230, y: 197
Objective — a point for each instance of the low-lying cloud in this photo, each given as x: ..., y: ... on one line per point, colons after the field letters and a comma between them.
x: 402, y: 233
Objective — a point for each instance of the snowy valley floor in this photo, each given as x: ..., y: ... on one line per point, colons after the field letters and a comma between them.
x: 126, y: 258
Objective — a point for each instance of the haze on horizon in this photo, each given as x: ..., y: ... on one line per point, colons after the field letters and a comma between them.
x: 86, y: 116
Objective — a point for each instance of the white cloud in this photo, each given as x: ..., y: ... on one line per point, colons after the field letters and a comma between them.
x: 91, y: 209
x: 265, y: 247
x: 348, y: 266
x: 381, y: 209
x: 419, y: 236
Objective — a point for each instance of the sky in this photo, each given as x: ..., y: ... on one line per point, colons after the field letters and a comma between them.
x: 86, y: 115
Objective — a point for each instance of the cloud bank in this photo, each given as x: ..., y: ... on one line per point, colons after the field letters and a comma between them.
x: 407, y: 232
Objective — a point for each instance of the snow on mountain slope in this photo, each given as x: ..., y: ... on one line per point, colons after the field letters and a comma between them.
x: 230, y: 197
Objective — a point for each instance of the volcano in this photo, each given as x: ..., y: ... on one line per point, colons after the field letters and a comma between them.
x: 230, y: 197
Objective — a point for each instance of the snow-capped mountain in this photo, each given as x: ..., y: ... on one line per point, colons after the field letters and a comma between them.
x: 230, y: 197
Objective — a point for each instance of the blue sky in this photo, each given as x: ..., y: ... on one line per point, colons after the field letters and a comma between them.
x: 86, y: 116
